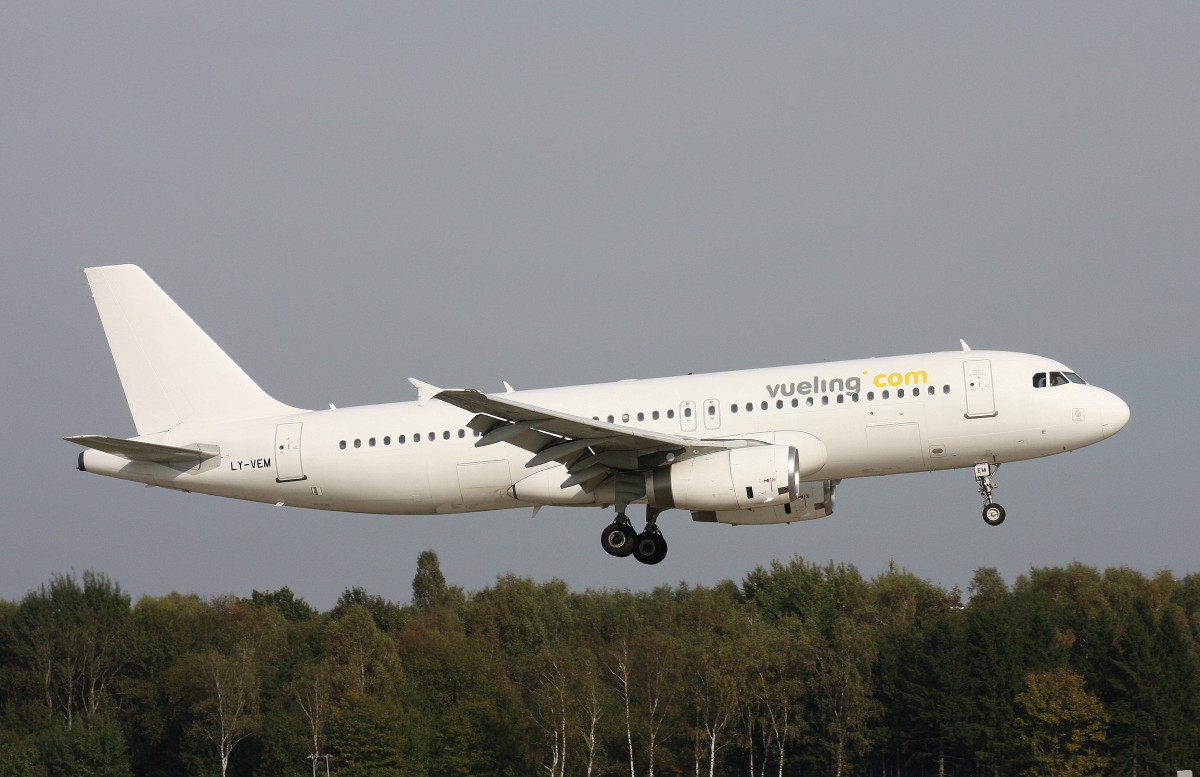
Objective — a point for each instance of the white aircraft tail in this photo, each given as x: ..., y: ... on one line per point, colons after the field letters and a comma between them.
x: 172, y: 372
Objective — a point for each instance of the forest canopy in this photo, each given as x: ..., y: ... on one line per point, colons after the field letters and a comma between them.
x: 801, y: 669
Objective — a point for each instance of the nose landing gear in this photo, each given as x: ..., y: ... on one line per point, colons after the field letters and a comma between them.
x: 993, y: 514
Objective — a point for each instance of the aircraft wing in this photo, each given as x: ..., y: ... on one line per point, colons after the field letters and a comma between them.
x: 591, y: 450
x: 135, y: 450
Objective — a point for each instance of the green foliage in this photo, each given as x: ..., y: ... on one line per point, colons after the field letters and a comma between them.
x: 18, y: 759
x: 95, y: 748
x: 65, y: 643
x: 429, y: 584
x: 1062, y: 725
x: 284, y: 602
x: 388, y: 617
x: 366, y: 739
x: 802, y: 668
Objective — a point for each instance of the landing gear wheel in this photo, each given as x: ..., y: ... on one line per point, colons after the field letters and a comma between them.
x: 993, y: 514
x: 618, y: 538
x: 650, y: 547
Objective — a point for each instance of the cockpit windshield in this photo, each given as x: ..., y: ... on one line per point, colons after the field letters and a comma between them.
x: 1043, y: 379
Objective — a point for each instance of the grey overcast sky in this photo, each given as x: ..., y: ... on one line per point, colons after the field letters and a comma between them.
x: 347, y: 194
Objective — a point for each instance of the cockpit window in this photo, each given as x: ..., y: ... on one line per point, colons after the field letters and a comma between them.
x: 1042, y: 379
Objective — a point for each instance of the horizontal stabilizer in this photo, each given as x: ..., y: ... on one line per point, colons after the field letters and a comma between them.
x: 147, y: 451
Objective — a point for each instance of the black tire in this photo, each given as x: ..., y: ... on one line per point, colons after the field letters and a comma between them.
x: 618, y: 539
x: 650, y: 547
x: 662, y: 550
x: 993, y: 514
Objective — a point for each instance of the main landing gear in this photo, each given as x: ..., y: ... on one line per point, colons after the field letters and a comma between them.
x: 993, y: 514
x: 619, y: 538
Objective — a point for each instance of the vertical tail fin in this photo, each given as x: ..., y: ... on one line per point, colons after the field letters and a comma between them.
x: 172, y: 372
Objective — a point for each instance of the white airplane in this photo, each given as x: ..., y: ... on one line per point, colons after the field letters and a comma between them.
x: 758, y: 446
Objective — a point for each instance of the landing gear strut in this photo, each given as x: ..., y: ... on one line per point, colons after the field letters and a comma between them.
x: 993, y: 514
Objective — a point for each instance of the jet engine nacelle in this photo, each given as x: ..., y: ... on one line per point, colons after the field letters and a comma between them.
x: 815, y: 500
x: 737, y: 479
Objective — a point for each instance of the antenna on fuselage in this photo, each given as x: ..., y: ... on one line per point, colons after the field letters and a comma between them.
x: 964, y: 344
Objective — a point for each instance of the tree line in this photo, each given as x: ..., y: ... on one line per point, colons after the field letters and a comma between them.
x: 801, y: 669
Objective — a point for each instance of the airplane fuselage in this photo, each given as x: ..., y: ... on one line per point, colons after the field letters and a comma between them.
x: 874, y: 416
x: 749, y: 447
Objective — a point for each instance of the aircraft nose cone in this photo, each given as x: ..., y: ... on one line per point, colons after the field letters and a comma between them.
x: 1116, y: 415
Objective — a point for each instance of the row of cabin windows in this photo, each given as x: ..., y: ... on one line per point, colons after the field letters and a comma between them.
x: 654, y: 416
x: 670, y: 414
x: 402, y: 439
x: 838, y: 398
x: 795, y: 402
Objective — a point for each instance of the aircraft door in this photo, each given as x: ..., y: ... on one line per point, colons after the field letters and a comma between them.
x: 687, y: 416
x: 712, y: 414
x: 977, y: 375
x: 288, y: 465
x: 894, y: 448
